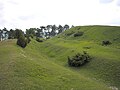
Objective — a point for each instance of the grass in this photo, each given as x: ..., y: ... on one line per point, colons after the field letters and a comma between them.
x: 43, y: 66
x: 29, y: 69
x: 104, y: 66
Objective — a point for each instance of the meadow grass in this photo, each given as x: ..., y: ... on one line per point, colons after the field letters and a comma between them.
x: 30, y: 69
x: 105, y: 64
x: 43, y: 66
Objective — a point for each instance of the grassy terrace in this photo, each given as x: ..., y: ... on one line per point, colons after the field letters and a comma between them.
x: 43, y: 66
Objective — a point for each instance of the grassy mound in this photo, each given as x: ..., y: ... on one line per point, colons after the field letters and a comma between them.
x: 94, y: 33
x: 43, y: 66
x: 105, y: 65
x: 30, y: 69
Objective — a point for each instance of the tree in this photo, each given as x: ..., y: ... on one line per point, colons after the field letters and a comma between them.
x: 43, y: 28
x: 48, y: 30
x: 18, y: 33
x: 31, y: 32
x: 22, y: 41
x: 66, y: 27
x: 1, y: 35
x: 53, y: 32
x: 39, y: 32
x: 11, y: 34
x: 72, y: 26
x: 49, y: 27
x: 60, y: 29
x: 5, y: 33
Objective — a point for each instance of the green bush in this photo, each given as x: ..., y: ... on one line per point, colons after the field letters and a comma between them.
x: 38, y: 39
x: 78, y: 59
x: 22, y: 41
x: 106, y: 42
x: 78, y: 34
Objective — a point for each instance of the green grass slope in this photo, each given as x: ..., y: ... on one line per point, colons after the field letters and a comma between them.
x: 32, y: 69
x: 95, y: 33
x: 105, y: 64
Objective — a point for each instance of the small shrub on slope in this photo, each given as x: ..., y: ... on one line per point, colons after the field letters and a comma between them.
x: 38, y: 39
x: 106, y: 43
x: 79, y: 59
x: 78, y: 34
x: 22, y: 41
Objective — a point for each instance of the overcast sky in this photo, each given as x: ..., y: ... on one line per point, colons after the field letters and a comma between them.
x: 34, y: 13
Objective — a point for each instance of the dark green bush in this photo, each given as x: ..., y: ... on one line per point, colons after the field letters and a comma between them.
x: 22, y: 41
x: 78, y: 59
x: 87, y: 47
x: 38, y: 39
x: 106, y: 43
x: 78, y: 34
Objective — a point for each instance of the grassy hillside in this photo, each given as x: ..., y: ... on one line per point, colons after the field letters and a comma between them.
x: 105, y: 65
x: 29, y: 69
x: 43, y: 66
x: 95, y: 33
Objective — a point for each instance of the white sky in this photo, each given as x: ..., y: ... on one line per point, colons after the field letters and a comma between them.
x: 34, y: 13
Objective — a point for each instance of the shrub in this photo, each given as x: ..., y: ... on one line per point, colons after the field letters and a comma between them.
x: 78, y: 59
x: 87, y: 47
x: 78, y: 34
x: 38, y: 39
x: 22, y: 41
x: 106, y: 43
